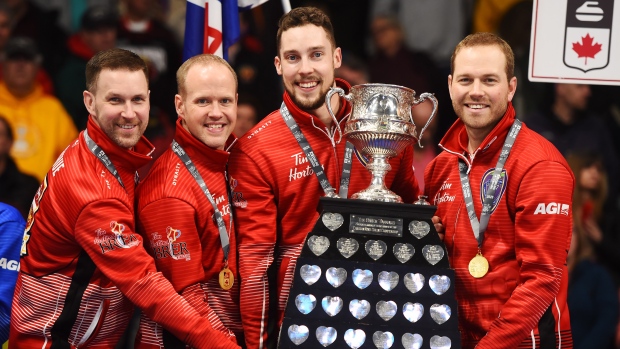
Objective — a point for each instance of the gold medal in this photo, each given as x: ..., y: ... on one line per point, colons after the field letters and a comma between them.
x: 227, y: 279
x: 478, y: 266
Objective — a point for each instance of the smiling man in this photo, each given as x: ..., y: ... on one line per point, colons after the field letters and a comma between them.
x: 494, y: 173
x: 275, y: 190
x: 193, y: 243
x: 82, y: 263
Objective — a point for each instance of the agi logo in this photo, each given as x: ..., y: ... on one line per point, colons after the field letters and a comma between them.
x: 552, y: 208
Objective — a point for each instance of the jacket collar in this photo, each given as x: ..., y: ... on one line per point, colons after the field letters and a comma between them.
x: 199, y: 152
x: 305, y: 118
x: 456, y: 139
x: 130, y: 159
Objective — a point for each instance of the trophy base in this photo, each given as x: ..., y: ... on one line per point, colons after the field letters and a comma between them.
x: 372, y: 275
x: 377, y: 194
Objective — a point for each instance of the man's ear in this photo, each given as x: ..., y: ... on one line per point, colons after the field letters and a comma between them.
x: 278, y: 64
x: 89, y: 102
x: 178, y: 104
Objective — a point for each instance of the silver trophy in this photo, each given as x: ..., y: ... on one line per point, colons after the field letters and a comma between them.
x: 380, y: 127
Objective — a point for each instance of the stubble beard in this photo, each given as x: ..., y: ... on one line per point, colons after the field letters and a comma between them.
x: 307, y: 104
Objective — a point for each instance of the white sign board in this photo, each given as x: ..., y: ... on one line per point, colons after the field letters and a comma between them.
x: 575, y: 41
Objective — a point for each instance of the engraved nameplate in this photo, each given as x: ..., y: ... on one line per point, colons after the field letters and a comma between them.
x: 374, y: 225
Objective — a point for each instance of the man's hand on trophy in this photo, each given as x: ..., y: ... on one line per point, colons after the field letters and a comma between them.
x: 438, y: 226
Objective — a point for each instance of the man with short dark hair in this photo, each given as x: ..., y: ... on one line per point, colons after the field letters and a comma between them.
x: 82, y: 262
x: 97, y: 33
x: 275, y: 190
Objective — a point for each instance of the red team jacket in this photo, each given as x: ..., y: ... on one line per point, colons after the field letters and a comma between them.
x: 276, y: 194
x: 170, y: 203
x: 522, y: 299
x: 82, y: 262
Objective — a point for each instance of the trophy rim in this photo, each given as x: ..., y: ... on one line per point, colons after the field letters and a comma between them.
x: 374, y: 84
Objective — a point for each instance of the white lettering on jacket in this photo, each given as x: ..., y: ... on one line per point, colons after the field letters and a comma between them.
x: 442, y: 196
x: 552, y: 208
x: 9, y: 264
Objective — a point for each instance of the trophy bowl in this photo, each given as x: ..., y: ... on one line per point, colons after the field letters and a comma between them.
x: 381, y: 127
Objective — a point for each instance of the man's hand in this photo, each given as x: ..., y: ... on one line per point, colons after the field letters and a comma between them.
x: 438, y: 226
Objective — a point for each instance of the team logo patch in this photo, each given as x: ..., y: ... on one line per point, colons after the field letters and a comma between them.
x: 485, y: 186
x: 176, y: 249
x: 109, y: 242
x: 587, y: 37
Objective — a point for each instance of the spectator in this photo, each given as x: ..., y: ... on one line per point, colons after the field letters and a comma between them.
x: 42, y: 126
x: 141, y: 32
x: 566, y: 121
x: 590, y: 198
x: 16, y: 188
x: 247, y: 114
x: 29, y: 20
x: 5, y: 33
x: 152, y: 40
x: 194, y: 244
x: 393, y: 63
x: 81, y: 250
x: 353, y: 69
x: 592, y: 293
x: 433, y: 27
x: 97, y: 33
x: 254, y: 68
x: 11, y: 232
x: 504, y: 194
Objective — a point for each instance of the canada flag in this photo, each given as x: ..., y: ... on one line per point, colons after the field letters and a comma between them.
x: 588, y: 34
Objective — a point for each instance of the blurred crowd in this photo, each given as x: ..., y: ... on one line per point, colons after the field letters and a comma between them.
x: 44, y: 47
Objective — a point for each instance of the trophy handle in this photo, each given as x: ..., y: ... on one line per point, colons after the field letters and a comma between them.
x: 328, y: 100
x: 424, y: 96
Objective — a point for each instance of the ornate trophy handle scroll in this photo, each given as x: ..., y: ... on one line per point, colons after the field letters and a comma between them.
x: 424, y: 96
x: 328, y: 102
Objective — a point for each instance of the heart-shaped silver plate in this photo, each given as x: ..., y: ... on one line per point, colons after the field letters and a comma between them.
x: 305, y: 303
x: 439, y: 284
x: 310, y: 273
x: 432, y: 253
x: 386, y: 310
x: 359, y: 308
x: 298, y: 334
x: 419, y: 229
x: 354, y: 338
x: 332, y: 221
x: 440, y: 342
x: 388, y: 280
x: 412, y: 341
x: 326, y: 335
x: 403, y: 252
x: 413, y: 311
x: 362, y: 278
x: 440, y: 313
x: 375, y: 248
x: 332, y: 305
x: 347, y: 247
x: 383, y: 340
x: 414, y: 282
x: 318, y: 244
x: 336, y: 276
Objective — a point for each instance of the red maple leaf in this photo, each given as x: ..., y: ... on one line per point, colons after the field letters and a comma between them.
x: 586, y: 48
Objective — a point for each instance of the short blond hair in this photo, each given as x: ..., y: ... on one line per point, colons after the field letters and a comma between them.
x: 487, y: 39
x: 202, y: 59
